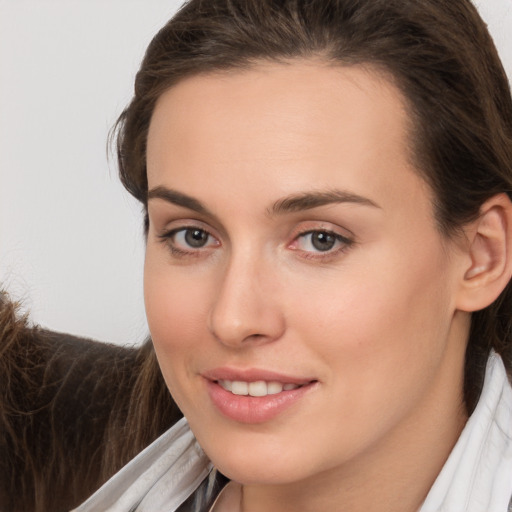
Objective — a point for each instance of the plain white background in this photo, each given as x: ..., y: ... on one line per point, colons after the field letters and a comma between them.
x: 71, y: 245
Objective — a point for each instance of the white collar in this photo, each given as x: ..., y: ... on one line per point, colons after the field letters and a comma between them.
x: 161, y: 477
x: 477, y: 477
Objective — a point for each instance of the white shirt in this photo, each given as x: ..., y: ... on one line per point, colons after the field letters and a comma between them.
x: 477, y: 476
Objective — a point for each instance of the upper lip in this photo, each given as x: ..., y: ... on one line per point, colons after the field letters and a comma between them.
x: 253, y: 375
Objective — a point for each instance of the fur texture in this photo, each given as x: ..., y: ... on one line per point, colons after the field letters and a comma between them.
x: 72, y: 412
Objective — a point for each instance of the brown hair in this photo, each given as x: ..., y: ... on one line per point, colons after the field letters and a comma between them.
x: 440, y: 55
x: 72, y: 412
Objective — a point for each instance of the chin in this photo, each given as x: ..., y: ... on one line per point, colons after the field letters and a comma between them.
x: 250, y: 472
x: 252, y: 460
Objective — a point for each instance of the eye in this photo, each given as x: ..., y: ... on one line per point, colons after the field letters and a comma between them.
x: 188, y: 240
x: 321, y: 241
x: 318, y: 240
x: 193, y: 237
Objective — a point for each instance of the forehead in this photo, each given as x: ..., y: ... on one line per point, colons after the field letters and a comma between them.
x: 304, y: 121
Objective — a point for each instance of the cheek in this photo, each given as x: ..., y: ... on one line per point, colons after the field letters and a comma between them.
x: 176, y: 309
x: 385, y: 317
x: 381, y: 332
x: 172, y: 310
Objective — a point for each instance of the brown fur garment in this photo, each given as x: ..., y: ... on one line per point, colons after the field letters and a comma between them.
x: 72, y: 412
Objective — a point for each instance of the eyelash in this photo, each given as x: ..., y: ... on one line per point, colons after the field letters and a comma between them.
x: 168, y: 237
x: 344, y: 243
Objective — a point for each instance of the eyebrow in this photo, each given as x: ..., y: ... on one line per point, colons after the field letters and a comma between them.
x: 289, y: 204
x: 310, y: 200
x: 178, y: 198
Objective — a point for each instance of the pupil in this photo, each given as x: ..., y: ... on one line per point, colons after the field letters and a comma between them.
x: 323, y: 241
x: 196, y: 237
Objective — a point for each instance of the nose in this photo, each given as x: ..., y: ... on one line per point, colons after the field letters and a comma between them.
x: 245, y: 309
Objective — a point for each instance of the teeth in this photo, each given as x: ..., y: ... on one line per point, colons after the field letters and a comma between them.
x: 257, y: 388
x: 239, y: 388
x: 226, y: 384
x: 274, y: 387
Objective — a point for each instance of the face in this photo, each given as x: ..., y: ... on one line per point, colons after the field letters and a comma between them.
x: 300, y: 297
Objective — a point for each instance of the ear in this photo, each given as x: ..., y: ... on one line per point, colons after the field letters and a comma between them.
x: 489, y: 248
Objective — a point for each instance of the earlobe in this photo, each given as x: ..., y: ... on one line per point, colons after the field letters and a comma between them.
x: 490, y: 255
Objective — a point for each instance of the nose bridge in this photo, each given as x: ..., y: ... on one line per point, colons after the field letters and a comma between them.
x: 244, y: 309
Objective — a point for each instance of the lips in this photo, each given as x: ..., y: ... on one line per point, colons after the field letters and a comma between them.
x: 254, y: 396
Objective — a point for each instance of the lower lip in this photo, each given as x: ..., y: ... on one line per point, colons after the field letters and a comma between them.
x: 252, y: 409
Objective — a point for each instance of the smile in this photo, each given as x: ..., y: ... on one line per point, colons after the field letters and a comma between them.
x: 256, y: 388
x: 255, y: 396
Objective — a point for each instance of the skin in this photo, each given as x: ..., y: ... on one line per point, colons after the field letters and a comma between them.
x: 374, y: 320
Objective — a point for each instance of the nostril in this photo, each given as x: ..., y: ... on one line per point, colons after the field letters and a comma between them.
x: 255, y: 336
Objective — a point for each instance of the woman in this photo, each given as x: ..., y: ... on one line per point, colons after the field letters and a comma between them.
x: 327, y: 274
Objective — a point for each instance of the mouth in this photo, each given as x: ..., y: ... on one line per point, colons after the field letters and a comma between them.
x: 258, y: 388
x: 255, y: 396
